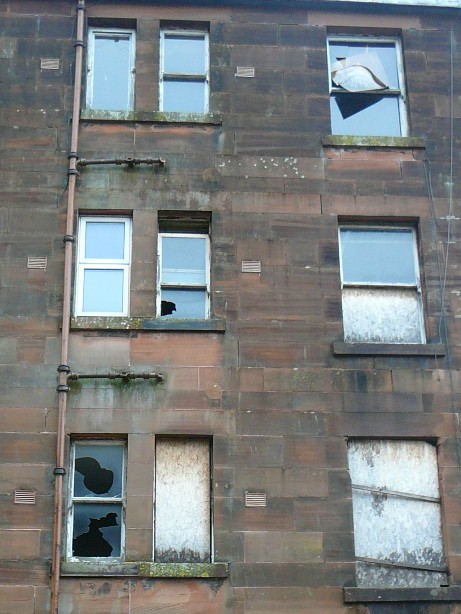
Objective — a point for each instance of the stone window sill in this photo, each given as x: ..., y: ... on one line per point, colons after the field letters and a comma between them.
x: 354, y: 594
x: 145, y: 569
x: 217, y: 325
x: 155, y: 117
x: 341, y: 348
x: 391, y: 142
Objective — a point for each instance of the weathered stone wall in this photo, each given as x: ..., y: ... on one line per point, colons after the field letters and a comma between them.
x: 278, y: 404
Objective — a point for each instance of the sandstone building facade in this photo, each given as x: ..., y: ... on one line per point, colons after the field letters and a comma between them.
x: 230, y: 307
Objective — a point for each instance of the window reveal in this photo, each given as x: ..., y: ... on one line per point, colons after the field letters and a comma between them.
x: 110, y: 84
x: 184, y: 276
x: 367, y: 96
x: 182, y: 500
x: 97, y: 500
x: 103, y: 267
x: 184, y: 71
x: 395, y: 496
x: 381, y: 294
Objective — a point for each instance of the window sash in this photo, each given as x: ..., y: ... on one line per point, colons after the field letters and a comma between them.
x: 102, y: 33
x: 398, y: 93
x: 182, y: 279
x: 173, y: 77
x: 104, y: 503
x: 85, y: 264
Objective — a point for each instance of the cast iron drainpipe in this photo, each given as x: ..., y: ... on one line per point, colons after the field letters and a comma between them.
x: 126, y: 376
x: 130, y: 162
x: 63, y: 369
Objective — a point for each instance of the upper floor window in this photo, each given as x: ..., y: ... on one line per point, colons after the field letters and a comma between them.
x: 367, y: 90
x: 110, y: 84
x: 97, y: 501
x: 182, y: 500
x: 183, y: 276
x: 184, y: 71
x: 103, y: 266
x: 381, y: 293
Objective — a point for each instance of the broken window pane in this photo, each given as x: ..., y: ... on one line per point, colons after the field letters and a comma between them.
x: 365, y: 115
x: 366, y: 87
x: 98, y: 471
x: 184, y: 276
x: 182, y: 500
x: 395, y: 496
x: 96, y: 511
x: 97, y: 530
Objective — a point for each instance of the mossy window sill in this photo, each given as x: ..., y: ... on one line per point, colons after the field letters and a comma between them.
x: 390, y: 142
x: 217, y: 325
x: 145, y: 569
x: 155, y: 117
x: 353, y: 594
x: 341, y: 348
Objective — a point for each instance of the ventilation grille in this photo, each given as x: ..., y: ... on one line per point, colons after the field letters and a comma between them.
x: 36, y: 262
x: 255, y: 499
x: 245, y: 71
x: 251, y: 266
x: 24, y: 497
x: 49, y: 64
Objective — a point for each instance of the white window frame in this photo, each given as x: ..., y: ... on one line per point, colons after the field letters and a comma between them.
x: 177, y: 286
x: 194, y: 77
x: 383, y: 285
x: 169, y: 535
x: 94, y: 33
x: 399, y: 94
x: 96, y: 500
x: 84, y: 264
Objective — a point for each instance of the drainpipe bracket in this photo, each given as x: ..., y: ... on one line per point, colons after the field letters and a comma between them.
x: 59, y: 471
x: 63, y: 388
x: 69, y: 238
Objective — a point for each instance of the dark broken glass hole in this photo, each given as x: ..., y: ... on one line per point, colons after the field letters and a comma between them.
x: 167, y: 308
x: 354, y: 103
x: 92, y: 543
x: 96, y: 478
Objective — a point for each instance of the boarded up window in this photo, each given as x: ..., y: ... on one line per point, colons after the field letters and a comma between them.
x: 182, y: 500
x: 97, y: 502
x: 381, y: 294
x: 397, y: 521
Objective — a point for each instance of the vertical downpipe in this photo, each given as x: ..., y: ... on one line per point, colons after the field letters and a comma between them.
x: 63, y: 368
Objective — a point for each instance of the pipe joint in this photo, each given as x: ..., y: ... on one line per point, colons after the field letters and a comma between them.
x: 72, y: 154
x: 72, y: 171
x: 63, y: 388
x: 59, y: 471
x: 63, y: 369
x: 79, y: 43
x: 68, y: 239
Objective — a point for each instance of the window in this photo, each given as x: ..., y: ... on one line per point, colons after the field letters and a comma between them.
x: 395, y: 495
x: 184, y: 276
x: 103, y: 266
x: 182, y: 500
x: 367, y: 94
x: 184, y: 71
x: 110, y: 85
x: 96, y: 513
x: 381, y: 294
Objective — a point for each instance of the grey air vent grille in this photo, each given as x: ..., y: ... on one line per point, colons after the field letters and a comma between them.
x: 245, y: 71
x: 24, y: 497
x: 49, y: 64
x: 251, y: 266
x: 255, y: 499
x: 35, y: 262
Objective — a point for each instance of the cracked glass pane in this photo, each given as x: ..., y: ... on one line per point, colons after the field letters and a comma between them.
x: 365, y: 115
x: 98, y: 471
x: 97, y: 530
